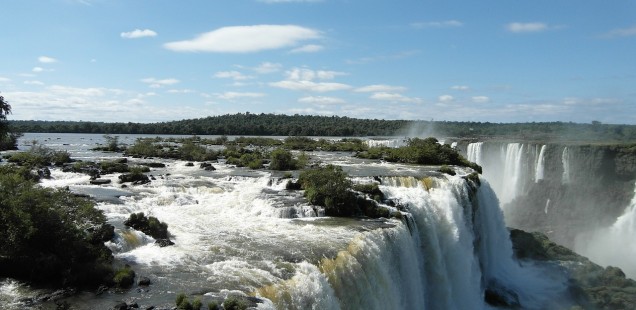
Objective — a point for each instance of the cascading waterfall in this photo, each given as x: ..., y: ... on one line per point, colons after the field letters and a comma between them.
x: 474, y: 152
x: 613, y: 246
x: 540, y: 166
x: 446, y: 260
x: 565, y: 160
x: 512, y: 173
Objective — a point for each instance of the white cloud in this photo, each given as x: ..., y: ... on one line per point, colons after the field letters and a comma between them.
x: 321, y: 100
x: 526, y: 27
x: 236, y: 95
x: 480, y: 99
x: 309, y: 48
x: 445, y: 98
x: 437, y: 24
x: 157, y: 83
x: 302, y: 74
x: 46, y: 59
x: 37, y: 69
x: 394, y: 97
x: 4, y: 79
x: 33, y: 82
x: 460, y: 87
x: 378, y: 88
x: 305, y: 85
x: 180, y: 91
x: 235, y: 75
x: 138, y: 33
x: 245, y: 39
x: 621, y: 32
x: 308, y: 111
x: 268, y: 67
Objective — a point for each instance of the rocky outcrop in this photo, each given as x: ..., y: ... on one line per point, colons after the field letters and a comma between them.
x: 591, y: 286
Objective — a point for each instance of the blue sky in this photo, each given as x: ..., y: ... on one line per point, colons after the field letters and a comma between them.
x: 149, y: 61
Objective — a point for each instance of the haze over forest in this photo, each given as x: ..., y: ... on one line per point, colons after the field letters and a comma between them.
x: 123, y: 61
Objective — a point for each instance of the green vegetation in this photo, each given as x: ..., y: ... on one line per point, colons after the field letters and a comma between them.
x: 420, y: 151
x: 307, y: 125
x: 446, y: 169
x: 331, y: 188
x: 112, y: 145
x: 125, y: 277
x: 234, y: 303
x: 50, y: 236
x: 592, y: 286
x: 184, y: 149
x: 39, y: 156
x: 148, y: 225
x: 282, y: 159
x: 8, y: 139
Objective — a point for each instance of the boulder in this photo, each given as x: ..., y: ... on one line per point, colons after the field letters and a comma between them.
x: 164, y: 242
x: 144, y: 281
x: 100, y: 181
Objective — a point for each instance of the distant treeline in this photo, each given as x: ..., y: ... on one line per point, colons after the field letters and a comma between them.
x: 307, y: 125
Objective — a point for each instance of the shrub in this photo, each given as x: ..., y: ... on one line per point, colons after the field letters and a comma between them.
x: 125, y: 277
x: 148, y: 225
x: 48, y: 234
x: 329, y: 187
x: 213, y: 306
x: 234, y: 303
x: 197, y: 304
x: 446, y: 169
x: 281, y: 160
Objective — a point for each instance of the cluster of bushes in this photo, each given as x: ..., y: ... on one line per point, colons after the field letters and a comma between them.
x: 40, y: 156
x: 187, y: 149
x: 230, y: 303
x: 150, y: 225
x: 50, y: 236
x: 331, y: 188
x: 422, y: 152
x: 112, y: 145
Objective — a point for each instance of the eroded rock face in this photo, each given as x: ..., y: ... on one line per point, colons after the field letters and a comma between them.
x: 591, y: 286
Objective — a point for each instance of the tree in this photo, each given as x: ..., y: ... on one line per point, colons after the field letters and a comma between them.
x: 8, y: 140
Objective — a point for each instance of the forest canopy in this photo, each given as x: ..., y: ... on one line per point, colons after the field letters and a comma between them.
x: 308, y: 125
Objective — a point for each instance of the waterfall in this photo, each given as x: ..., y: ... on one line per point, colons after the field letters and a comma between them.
x: 474, y: 152
x: 565, y: 160
x: 512, y: 172
x: 454, y: 249
x: 540, y: 166
x: 614, y: 245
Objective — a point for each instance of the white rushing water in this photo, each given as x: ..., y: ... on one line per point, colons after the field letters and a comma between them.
x: 474, y: 152
x: 613, y: 246
x: 239, y: 231
x: 512, y: 173
x: 565, y: 160
x: 540, y: 166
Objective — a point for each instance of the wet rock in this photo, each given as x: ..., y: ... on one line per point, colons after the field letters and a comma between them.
x: 44, y: 173
x: 100, y: 181
x: 164, y: 242
x: 101, y: 290
x: 154, y: 165
x: 57, y: 295
x: 189, y: 164
x: 207, y: 167
x: 134, y: 178
x: 121, y: 306
x: 144, y: 281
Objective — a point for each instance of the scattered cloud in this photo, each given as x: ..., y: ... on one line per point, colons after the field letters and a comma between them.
x: 158, y: 83
x: 437, y: 24
x: 33, y: 82
x: 310, y: 48
x: 394, y: 97
x: 445, y: 98
x: 138, y: 33
x: 379, y: 88
x: 46, y: 59
x: 180, y: 91
x: 370, y: 59
x: 4, y: 79
x: 237, y: 95
x: 308, y: 111
x: 268, y: 67
x: 480, y: 99
x: 37, y: 69
x: 321, y: 100
x: 246, y: 39
x: 573, y: 101
x: 460, y: 87
x: 310, y: 86
x: 526, y: 27
x: 303, y: 74
x: 235, y: 75
x: 621, y: 32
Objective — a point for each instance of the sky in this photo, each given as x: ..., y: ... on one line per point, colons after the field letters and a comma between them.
x: 445, y: 60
